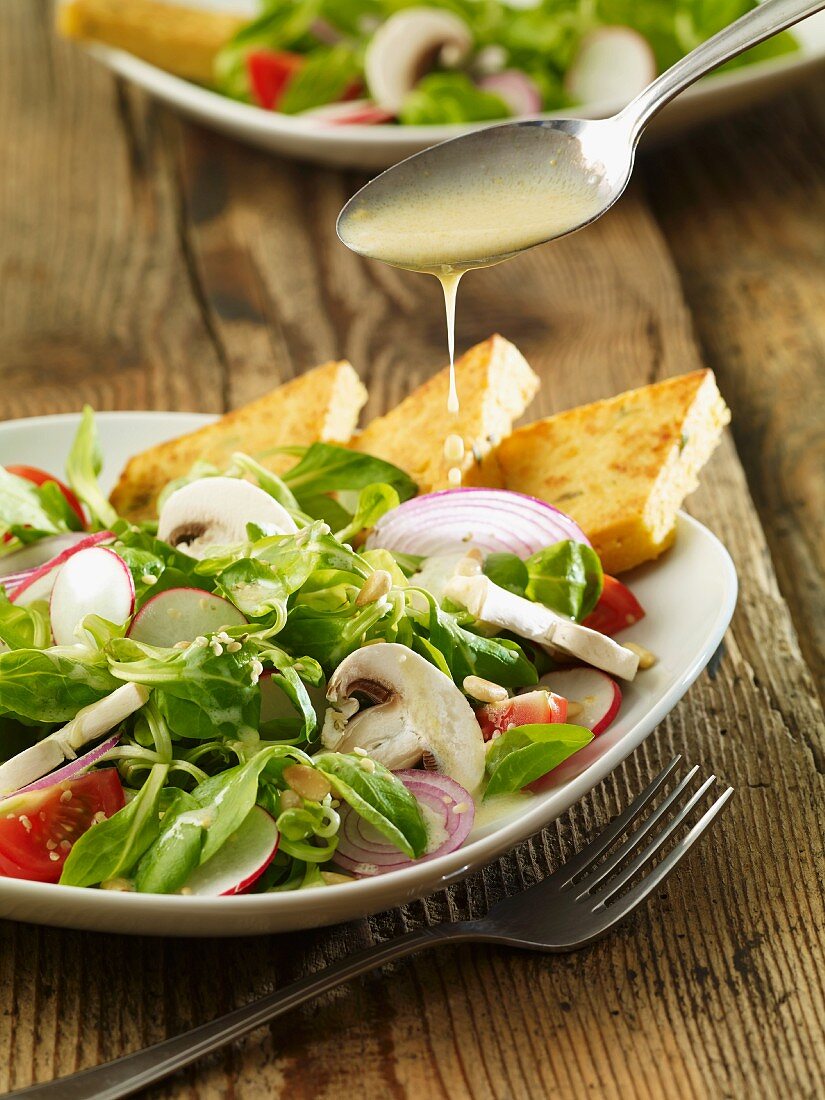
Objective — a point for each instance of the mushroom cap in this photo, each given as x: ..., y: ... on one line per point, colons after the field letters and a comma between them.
x: 407, y: 46
x: 214, y: 511
x: 417, y: 709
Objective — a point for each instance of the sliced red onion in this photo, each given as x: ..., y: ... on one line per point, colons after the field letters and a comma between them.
x: 492, y: 520
x: 31, y: 557
x: 37, y: 583
x: 519, y: 92
x: 73, y: 770
x: 366, y: 852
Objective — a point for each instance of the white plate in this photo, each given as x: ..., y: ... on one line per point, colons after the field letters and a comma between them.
x: 689, y: 596
x: 369, y: 147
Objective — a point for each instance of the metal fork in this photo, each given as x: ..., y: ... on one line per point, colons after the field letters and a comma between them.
x: 576, y: 905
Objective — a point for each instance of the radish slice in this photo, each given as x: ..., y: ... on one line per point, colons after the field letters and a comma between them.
x: 448, y: 812
x: 355, y: 112
x: 613, y: 65
x: 518, y: 91
x: 31, y: 557
x: 38, y: 583
x: 597, y: 695
x: 181, y: 614
x: 72, y: 770
x: 94, y: 581
x: 239, y: 862
x: 491, y: 520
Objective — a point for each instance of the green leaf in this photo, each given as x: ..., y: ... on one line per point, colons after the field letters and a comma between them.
x: 323, y: 78
x: 443, y: 98
x: 379, y: 797
x: 566, y: 577
x: 175, y: 854
x: 23, y: 506
x: 52, y: 685
x: 507, y: 571
x: 374, y: 501
x: 281, y: 25
x: 24, y: 627
x: 112, y: 848
x: 525, y: 753
x: 326, y: 468
x: 82, y: 468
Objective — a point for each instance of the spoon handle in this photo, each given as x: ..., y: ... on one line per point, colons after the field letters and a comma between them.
x: 767, y: 19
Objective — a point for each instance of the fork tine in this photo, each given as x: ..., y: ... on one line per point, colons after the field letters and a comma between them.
x: 603, y: 871
x: 640, y: 891
x: 580, y: 862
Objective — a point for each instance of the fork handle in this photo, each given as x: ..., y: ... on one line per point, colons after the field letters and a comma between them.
x: 132, y: 1072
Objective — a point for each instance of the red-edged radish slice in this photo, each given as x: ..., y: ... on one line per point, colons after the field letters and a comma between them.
x: 39, y: 582
x: 594, y: 691
x: 612, y: 66
x: 240, y: 861
x: 95, y: 581
x: 353, y: 112
x: 181, y: 614
x: 31, y: 557
x: 448, y: 811
x: 519, y: 92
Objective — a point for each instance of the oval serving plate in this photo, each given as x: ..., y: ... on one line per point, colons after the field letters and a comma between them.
x: 371, y: 147
x: 689, y: 596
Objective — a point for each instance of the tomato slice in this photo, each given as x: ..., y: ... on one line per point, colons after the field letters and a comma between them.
x: 270, y: 71
x: 37, y: 829
x: 40, y: 477
x: 533, y: 708
x: 617, y: 608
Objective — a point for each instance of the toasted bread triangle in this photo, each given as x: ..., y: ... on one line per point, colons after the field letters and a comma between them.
x: 495, y: 385
x: 621, y: 467
x: 322, y: 404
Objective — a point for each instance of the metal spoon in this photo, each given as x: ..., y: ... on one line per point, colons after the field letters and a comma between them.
x: 483, y: 197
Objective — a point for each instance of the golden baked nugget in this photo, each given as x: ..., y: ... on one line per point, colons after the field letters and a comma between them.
x: 495, y: 385
x: 182, y: 40
x: 322, y: 404
x: 621, y: 467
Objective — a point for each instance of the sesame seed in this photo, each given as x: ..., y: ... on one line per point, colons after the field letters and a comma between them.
x: 201, y: 642
x: 223, y: 637
x: 216, y: 647
x: 367, y: 765
x: 182, y: 644
x: 358, y: 751
x: 460, y: 808
x: 147, y: 578
x: 98, y: 817
x: 54, y: 856
x: 233, y: 647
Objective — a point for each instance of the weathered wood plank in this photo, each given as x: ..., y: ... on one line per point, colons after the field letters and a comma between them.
x: 225, y: 266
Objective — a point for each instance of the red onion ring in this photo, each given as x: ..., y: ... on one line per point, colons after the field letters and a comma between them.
x: 72, y: 770
x: 492, y: 520
x: 365, y: 852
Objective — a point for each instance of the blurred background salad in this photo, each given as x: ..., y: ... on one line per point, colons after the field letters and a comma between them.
x: 414, y: 63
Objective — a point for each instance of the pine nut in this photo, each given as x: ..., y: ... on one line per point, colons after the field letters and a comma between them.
x: 471, y: 564
x: 646, y: 658
x: 332, y: 878
x: 378, y: 584
x: 307, y: 782
x: 484, y: 690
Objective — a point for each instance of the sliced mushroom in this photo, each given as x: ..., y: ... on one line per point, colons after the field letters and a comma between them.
x: 407, y: 46
x: 214, y: 511
x: 559, y: 636
x: 417, y: 709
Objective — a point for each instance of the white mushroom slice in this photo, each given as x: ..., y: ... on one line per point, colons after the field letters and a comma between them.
x: 613, y: 65
x: 417, y: 709
x: 214, y: 511
x: 88, y: 724
x: 407, y: 46
x: 492, y: 604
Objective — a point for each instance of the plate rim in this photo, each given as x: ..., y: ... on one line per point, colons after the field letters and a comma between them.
x: 368, y: 894
x: 225, y: 111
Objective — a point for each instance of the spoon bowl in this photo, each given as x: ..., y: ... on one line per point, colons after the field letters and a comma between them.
x: 488, y: 195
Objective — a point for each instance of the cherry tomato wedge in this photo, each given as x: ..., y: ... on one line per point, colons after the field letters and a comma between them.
x: 533, y: 708
x: 38, y: 828
x: 270, y: 71
x: 40, y: 477
x: 617, y: 608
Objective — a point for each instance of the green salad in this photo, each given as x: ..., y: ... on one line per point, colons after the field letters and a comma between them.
x: 459, y: 61
x: 286, y: 680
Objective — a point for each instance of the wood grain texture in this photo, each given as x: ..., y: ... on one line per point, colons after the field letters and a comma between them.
x: 148, y: 263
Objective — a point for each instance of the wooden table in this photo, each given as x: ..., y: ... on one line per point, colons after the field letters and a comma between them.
x: 149, y: 264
